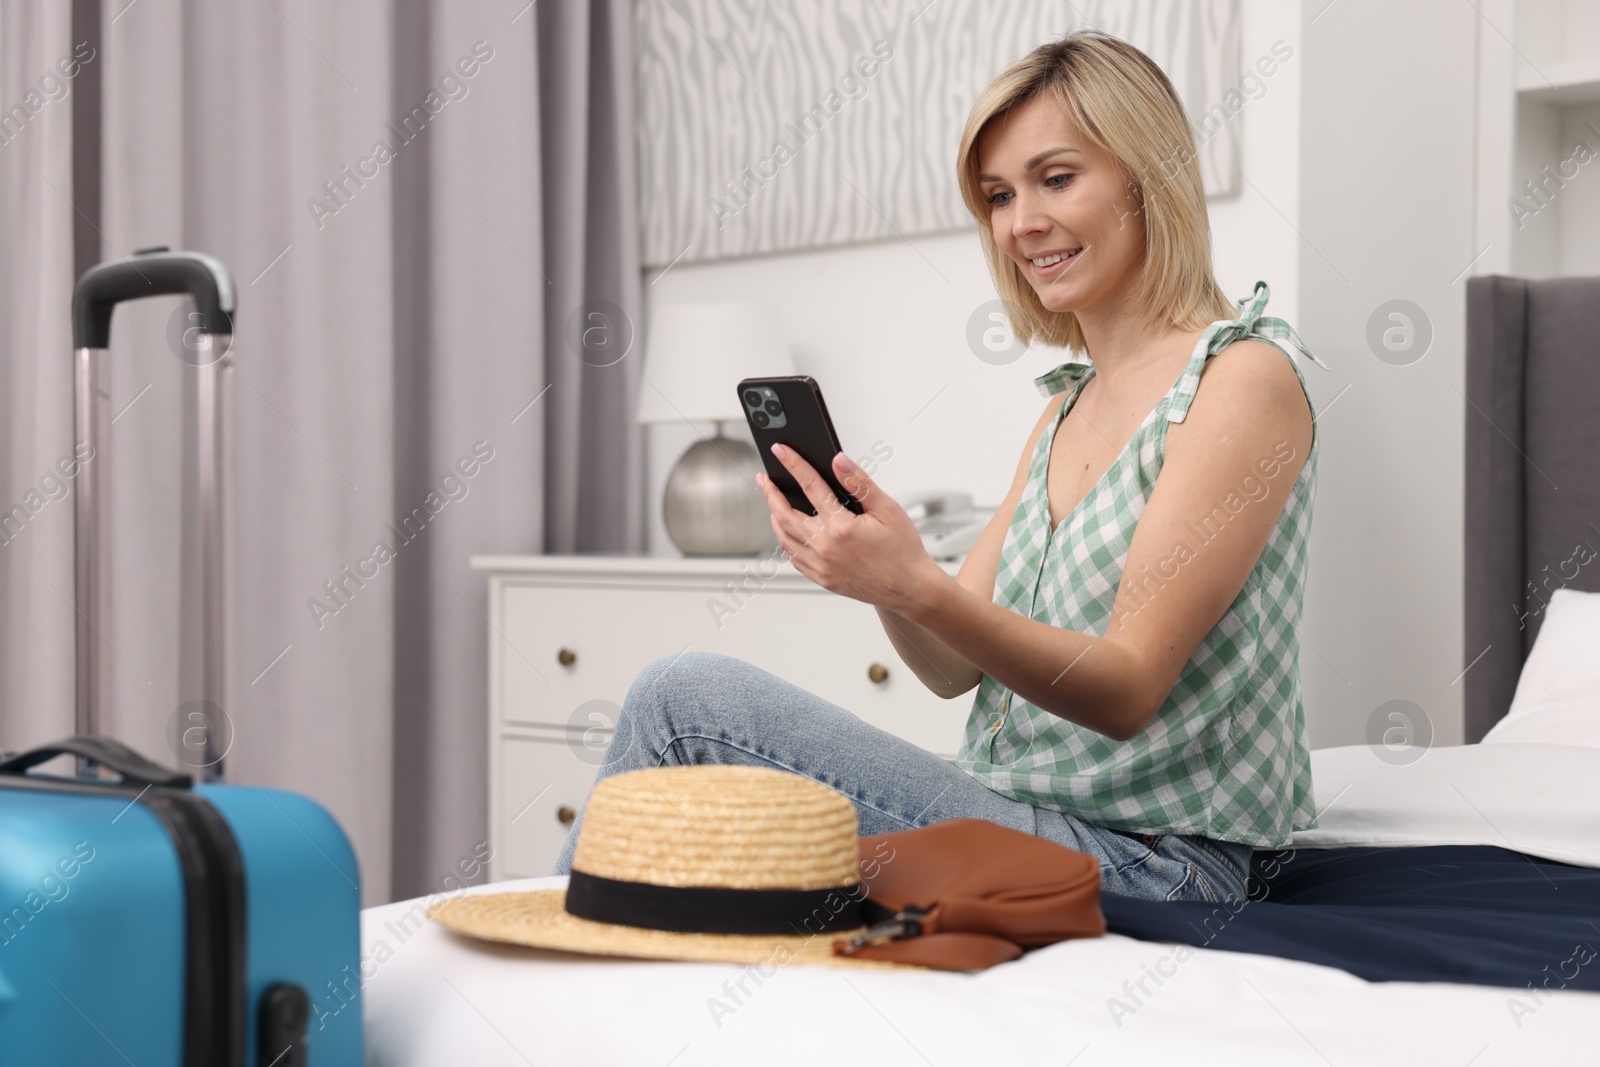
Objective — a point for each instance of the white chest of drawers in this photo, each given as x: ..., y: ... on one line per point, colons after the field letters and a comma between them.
x: 567, y: 635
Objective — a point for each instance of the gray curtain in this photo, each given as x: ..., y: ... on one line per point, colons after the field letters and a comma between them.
x: 36, y: 276
x: 416, y: 200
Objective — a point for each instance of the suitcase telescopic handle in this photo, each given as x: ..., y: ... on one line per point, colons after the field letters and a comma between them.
x: 134, y: 768
x: 153, y: 272
x: 207, y: 652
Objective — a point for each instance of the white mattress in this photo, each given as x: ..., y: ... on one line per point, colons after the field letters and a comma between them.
x: 432, y: 997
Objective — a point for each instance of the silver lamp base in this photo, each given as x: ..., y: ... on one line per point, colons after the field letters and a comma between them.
x: 712, y: 505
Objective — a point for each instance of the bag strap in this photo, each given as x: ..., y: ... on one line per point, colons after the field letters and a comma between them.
x: 953, y: 951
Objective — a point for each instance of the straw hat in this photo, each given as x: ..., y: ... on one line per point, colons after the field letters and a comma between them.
x: 737, y: 864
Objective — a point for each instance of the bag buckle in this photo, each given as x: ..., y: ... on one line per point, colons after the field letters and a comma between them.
x: 903, y: 924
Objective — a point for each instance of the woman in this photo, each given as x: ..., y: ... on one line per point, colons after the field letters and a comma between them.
x: 1129, y: 616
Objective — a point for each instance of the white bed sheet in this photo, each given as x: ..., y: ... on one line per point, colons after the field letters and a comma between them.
x: 443, y: 999
x: 1541, y: 799
x: 432, y: 997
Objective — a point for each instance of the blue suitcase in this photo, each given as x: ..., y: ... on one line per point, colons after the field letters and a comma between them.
x: 145, y: 918
x: 153, y: 922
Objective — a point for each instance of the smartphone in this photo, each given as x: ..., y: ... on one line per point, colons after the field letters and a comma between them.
x: 790, y: 411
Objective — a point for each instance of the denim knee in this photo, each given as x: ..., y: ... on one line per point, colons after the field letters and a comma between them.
x: 690, y: 679
x: 691, y: 667
x: 694, y: 682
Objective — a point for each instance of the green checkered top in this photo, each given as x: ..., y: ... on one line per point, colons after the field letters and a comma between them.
x: 1225, y: 756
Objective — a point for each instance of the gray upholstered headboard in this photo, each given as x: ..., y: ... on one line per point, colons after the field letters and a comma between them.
x: 1533, y: 470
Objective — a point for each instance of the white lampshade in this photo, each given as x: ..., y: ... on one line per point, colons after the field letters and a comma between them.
x: 697, y: 354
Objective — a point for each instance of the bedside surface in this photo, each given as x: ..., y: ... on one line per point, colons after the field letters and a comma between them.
x: 632, y: 565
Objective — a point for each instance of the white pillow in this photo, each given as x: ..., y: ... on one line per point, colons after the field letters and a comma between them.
x: 1558, y: 692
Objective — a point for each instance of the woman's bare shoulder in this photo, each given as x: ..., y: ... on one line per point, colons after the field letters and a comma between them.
x: 1256, y: 374
x: 1253, y: 381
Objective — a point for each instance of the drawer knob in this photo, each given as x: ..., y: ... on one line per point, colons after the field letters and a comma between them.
x: 878, y: 673
x: 566, y: 657
x: 565, y: 815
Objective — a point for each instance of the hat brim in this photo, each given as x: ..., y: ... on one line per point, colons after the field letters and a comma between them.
x: 539, y: 918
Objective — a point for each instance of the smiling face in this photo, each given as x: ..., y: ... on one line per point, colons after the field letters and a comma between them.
x: 1051, y: 194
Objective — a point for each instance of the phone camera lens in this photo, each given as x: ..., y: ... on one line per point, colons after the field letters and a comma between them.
x: 759, y: 418
x: 752, y: 398
x: 774, y: 408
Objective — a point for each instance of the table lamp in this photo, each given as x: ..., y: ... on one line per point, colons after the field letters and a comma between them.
x: 694, y: 358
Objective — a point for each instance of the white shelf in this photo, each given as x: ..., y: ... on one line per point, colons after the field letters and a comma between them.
x: 1538, y: 97
x: 651, y: 566
x: 1575, y: 81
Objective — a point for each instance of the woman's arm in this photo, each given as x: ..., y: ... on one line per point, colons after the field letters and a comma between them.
x: 1232, y: 462
x: 1228, y: 471
x: 942, y: 669
x: 939, y: 667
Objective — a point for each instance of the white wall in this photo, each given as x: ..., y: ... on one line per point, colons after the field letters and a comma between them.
x: 1387, y: 208
x: 1383, y: 188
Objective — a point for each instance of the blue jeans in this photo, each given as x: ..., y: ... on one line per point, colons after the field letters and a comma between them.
x: 704, y: 707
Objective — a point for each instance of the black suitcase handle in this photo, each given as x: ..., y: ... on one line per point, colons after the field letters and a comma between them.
x: 150, y: 272
x: 133, y: 767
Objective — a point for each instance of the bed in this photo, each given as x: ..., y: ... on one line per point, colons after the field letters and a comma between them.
x: 1528, y: 787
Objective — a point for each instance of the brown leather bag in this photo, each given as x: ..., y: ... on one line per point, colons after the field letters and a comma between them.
x: 966, y: 894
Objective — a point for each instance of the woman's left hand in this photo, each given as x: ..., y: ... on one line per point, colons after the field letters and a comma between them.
x: 876, y: 557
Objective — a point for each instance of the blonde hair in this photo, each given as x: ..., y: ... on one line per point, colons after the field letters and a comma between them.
x: 1122, y: 103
